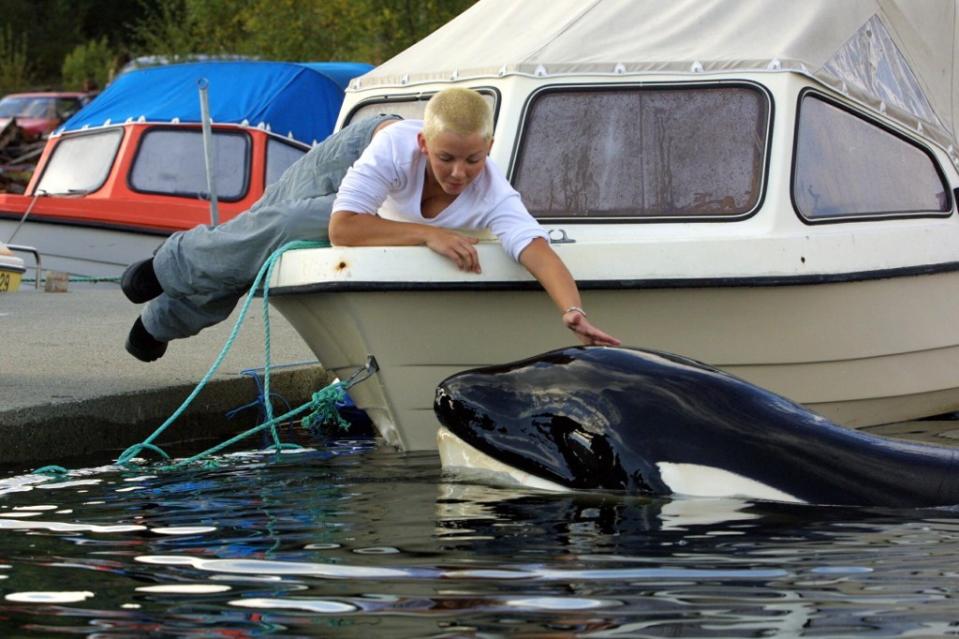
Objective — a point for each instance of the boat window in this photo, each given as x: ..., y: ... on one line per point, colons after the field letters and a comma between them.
x: 407, y: 108
x: 80, y: 163
x: 279, y: 156
x: 643, y: 152
x: 171, y: 162
x: 848, y: 166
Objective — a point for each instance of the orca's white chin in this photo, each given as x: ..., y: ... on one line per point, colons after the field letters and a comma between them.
x: 462, y: 459
x: 695, y: 480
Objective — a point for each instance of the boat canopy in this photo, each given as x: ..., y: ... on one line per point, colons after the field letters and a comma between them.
x: 297, y: 100
x: 898, y: 57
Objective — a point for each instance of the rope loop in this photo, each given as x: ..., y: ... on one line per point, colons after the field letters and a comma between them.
x: 52, y: 470
x: 134, y: 450
x: 324, y: 409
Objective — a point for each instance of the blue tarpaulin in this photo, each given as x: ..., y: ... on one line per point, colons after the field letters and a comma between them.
x: 298, y: 100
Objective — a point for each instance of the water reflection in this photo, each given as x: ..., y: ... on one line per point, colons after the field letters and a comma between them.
x: 358, y: 541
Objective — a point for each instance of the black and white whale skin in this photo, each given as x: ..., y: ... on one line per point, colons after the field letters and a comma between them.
x: 654, y: 423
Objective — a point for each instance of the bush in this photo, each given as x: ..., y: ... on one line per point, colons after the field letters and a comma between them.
x: 88, y: 66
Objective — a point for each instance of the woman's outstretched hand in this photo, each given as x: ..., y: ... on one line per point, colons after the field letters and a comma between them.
x: 588, y: 334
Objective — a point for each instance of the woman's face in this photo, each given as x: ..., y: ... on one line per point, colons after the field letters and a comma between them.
x: 454, y: 160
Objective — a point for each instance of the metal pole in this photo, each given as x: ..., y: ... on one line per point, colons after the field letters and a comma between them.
x: 209, y: 156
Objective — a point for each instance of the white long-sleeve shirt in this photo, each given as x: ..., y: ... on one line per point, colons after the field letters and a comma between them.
x: 388, y: 180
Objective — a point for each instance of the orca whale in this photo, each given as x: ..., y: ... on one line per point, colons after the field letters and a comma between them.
x: 655, y: 423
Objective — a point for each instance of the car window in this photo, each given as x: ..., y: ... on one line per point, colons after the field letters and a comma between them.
x: 279, y: 156
x: 65, y: 107
x: 847, y: 166
x: 11, y: 107
x: 643, y: 152
x: 80, y: 163
x: 171, y: 162
x: 39, y: 108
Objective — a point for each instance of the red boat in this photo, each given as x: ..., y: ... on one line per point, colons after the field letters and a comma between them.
x: 130, y: 168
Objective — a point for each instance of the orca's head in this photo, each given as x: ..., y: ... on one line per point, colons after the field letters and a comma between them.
x: 643, y: 422
x: 554, y: 421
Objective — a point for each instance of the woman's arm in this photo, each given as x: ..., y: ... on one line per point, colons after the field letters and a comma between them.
x: 360, y: 229
x: 544, y: 264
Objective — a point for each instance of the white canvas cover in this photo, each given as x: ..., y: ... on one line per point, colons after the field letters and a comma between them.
x: 896, y: 56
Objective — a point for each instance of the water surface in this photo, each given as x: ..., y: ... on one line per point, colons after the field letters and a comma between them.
x: 357, y: 541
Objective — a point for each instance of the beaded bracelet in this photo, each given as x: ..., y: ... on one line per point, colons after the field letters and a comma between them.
x: 577, y: 309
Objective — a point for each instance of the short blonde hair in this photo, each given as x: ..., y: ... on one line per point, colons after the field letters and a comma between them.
x: 458, y: 110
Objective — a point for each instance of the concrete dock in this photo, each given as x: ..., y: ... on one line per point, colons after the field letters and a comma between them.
x: 69, y: 390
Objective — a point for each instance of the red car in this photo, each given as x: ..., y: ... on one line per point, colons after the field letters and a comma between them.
x: 39, y: 113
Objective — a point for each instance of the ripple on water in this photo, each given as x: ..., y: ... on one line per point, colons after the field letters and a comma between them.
x: 48, y: 597
x: 186, y: 589
x: 184, y: 530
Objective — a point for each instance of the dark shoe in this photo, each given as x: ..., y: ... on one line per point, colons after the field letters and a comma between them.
x: 142, y: 345
x: 139, y: 282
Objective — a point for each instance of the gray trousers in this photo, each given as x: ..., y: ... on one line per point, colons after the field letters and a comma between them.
x: 206, y: 270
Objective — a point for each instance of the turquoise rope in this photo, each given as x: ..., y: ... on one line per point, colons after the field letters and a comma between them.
x: 51, y: 470
x: 322, y: 405
x: 265, y: 272
x: 318, y: 402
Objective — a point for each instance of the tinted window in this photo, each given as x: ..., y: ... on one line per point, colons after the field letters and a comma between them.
x: 80, y: 163
x: 171, y: 162
x: 848, y: 166
x: 279, y: 156
x: 643, y: 152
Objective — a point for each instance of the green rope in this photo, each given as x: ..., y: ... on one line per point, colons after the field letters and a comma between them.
x: 266, y: 269
x: 321, y: 407
x: 324, y: 404
x: 320, y: 403
x: 51, y: 470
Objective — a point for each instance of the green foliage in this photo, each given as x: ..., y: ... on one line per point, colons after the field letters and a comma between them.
x: 13, y: 61
x: 88, y: 66
x: 362, y: 30
x: 68, y: 37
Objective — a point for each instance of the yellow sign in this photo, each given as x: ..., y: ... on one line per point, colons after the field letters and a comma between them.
x: 9, y: 281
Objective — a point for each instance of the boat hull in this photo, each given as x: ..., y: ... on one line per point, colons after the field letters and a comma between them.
x: 860, y: 352
x: 88, y: 250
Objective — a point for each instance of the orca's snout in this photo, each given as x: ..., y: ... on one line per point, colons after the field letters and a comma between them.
x: 548, y: 434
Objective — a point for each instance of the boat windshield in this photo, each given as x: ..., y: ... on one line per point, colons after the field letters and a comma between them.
x: 621, y: 151
x: 279, y: 156
x: 170, y: 161
x: 80, y: 163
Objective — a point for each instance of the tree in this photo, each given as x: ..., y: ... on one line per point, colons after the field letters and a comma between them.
x: 62, y: 26
x: 299, y: 30
x: 89, y: 66
x: 13, y: 60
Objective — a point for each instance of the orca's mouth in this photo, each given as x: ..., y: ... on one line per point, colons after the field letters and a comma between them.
x: 471, y: 464
x: 466, y: 412
x: 548, y: 444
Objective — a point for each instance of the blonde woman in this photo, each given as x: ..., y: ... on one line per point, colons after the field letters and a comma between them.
x: 380, y: 182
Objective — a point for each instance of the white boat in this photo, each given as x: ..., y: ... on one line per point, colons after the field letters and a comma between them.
x: 767, y: 186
